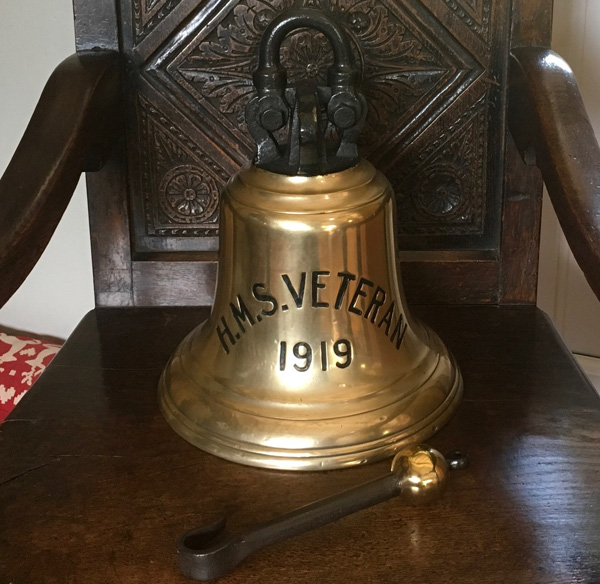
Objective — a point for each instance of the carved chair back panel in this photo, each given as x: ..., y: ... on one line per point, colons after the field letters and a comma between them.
x: 434, y: 74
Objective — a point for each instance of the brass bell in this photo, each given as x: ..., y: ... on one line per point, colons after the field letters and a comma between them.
x: 310, y: 359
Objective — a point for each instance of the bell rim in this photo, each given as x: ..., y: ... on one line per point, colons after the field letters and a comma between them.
x: 313, y: 459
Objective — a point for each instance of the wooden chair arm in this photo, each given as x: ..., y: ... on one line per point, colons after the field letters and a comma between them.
x: 72, y: 130
x: 548, y: 121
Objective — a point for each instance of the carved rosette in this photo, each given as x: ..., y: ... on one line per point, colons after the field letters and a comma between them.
x: 186, y: 195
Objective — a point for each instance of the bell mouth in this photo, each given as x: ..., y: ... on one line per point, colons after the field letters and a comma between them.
x: 311, y: 444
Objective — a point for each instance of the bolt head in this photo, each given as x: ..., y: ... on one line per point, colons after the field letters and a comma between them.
x: 272, y: 119
x: 344, y: 117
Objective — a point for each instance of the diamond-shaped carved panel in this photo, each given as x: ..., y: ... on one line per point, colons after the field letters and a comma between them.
x: 411, y: 70
x: 420, y: 81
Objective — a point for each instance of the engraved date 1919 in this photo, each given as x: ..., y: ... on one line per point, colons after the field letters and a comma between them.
x: 302, y: 355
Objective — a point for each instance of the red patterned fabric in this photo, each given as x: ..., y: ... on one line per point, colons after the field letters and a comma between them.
x: 22, y: 360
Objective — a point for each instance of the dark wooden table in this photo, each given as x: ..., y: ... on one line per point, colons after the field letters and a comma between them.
x: 95, y: 487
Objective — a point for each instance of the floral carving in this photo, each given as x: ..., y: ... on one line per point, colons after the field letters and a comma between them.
x: 180, y: 181
x: 307, y: 56
x: 417, y: 79
x: 403, y: 67
x: 187, y: 195
x: 441, y: 191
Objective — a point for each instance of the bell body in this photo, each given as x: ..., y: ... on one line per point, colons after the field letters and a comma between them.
x: 310, y: 359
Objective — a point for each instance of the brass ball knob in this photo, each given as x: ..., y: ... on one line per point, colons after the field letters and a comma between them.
x: 421, y: 473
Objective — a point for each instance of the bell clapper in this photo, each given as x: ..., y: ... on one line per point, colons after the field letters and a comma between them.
x: 418, y: 475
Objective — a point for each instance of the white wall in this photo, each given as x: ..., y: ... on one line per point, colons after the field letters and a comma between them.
x: 36, y: 35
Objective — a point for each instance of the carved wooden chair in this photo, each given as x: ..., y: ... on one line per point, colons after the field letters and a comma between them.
x: 467, y: 106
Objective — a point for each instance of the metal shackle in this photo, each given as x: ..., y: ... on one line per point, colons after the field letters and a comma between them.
x: 344, y: 109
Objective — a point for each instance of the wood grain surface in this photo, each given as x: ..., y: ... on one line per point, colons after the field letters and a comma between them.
x: 95, y: 487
